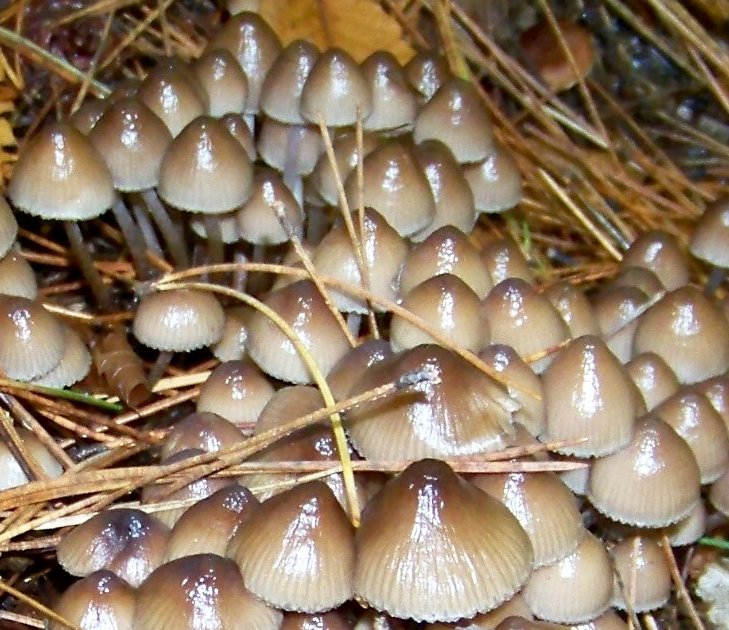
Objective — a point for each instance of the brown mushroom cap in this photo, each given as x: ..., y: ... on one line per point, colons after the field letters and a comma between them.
x: 661, y: 253
x: 617, y: 310
x: 576, y: 588
x: 331, y: 620
x: 8, y: 227
x: 301, y: 305
x: 128, y: 542
x: 655, y: 380
x: 296, y: 551
x: 33, y: 342
x: 275, y: 142
x: 200, y: 591
x: 13, y: 473
x: 709, y: 240
x: 235, y: 390
x: 17, y: 277
x: 496, y: 182
x: 455, y: 566
x: 516, y: 606
x: 503, y: 259
x: 337, y: 90
x: 350, y: 368
x: 239, y: 129
x: 232, y: 345
x: 100, y: 601
x: 427, y: 72
x: 394, y: 104
x: 688, y: 530
x: 458, y: 415
x: 205, y: 431
x: 544, y: 507
x: 689, y: 332
x: 652, y: 482
x: 205, y: 169
x: 74, y: 364
x: 60, y: 175
x: 574, y: 307
x: 179, y: 320
x: 223, y: 79
x: 588, y: 394
x: 641, y: 565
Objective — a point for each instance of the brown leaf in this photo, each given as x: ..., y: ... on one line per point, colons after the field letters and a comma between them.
x: 122, y: 367
x: 358, y: 26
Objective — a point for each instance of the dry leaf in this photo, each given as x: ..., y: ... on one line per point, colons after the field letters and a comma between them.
x: 122, y: 367
x: 358, y: 26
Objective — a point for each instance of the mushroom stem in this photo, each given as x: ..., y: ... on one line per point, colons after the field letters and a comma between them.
x: 240, y: 276
x: 214, y: 238
x: 291, y: 177
x: 145, y: 225
x: 716, y: 277
x: 171, y: 234
x: 158, y: 369
x: 354, y: 323
x: 133, y: 237
x: 101, y: 292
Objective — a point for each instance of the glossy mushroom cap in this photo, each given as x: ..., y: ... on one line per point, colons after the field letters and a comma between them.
x: 652, y: 482
x: 588, y: 394
x: 458, y: 414
x: 179, y: 320
x: 233, y: 344
x: 74, y: 364
x: 350, y: 368
x: 574, y: 307
x: 132, y: 140
x: 336, y: 90
x: 331, y: 620
x: 661, y: 253
x: 130, y: 543
x: 17, y: 276
x: 456, y: 567
x: 617, y: 310
x: 223, y: 79
x: 496, y: 182
x: 205, y: 431
x: 655, y: 380
x: 301, y: 305
x: 200, y: 592
x: 709, y: 240
x: 275, y: 143
x: 689, y: 332
x: 205, y: 169
x: 394, y: 103
x: 60, y: 175
x: 13, y: 473
x: 296, y: 551
x: 33, y: 342
x: 426, y: 73
x: 100, y: 601
x: 8, y: 227
x: 503, y: 259
x: 641, y: 565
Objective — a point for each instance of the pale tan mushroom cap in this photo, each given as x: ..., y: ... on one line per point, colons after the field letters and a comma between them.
x: 643, y: 569
x: 8, y: 227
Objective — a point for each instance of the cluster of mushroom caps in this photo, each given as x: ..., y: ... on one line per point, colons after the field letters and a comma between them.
x: 629, y: 380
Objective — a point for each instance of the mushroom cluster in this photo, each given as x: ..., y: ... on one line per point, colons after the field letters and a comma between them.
x: 254, y: 145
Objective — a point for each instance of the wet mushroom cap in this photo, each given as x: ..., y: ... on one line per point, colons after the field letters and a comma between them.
x: 206, y: 431
x: 456, y: 567
x: 8, y: 227
x: 223, y: 79
x: 641, y: 565
x: 17, y: 276
x: 661, y: 253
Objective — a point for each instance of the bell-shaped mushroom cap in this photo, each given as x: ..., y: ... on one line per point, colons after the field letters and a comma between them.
x: 257, y: 220
x: 100, y: 601
x: 33, y: 341
x: 455, y: 566
x: 503, y: 259
x: 17, y: 277
x: 238, y: 128
x: 689, y: 332
x: 496, y: 182
x: 383, y: 252
x: 350, y: 368
x: 281, y: 92
x: 179, y: 321
x: 132, y: 140
x: 688, y: 530
x: 205, y: 431
x: 8, y: 227
x: 576, y: 588
x: 661, y: 253
x: 654, y: 379
x: 205, y: 169
x: 74, y: 364
x: 331, y: 620
x: 235, y: 390
x: 545, y: 53
x: 233, y: 344
x: 395, y: 186
x: 221, y: 76
x: 617, y: 310
x: 256, y: 47
x: 449, y: 306
x: 574, y: 307
x: 588, y: 394
x: 716, y: 390
x: 709, y: 240
x: 192, y: 492
x: 544, y: 507
x: 451, y: 192
x: 652, y: 482
x: 394, y: 104
x: 173, y: 93
x: 60, y: 175
x: 457, y: 117
x: 641, y: 566
x: 524, y: 319
x: 640, y: 278
x: 346, y: 157
x: 13, y: 473
x: 516, y: 606
x: 296, y: 551
x: 275, y: 140
x: 460, y: 413
x: 427, y: 72
x: 691, y: 415
x: 301, y: 305
x: 523, y: 385
x: 130, y: 543
x: 446, y: 250
x: 86, y: 116
x: 208, y: 526
x: 336, y: 90
x: 200, y: 592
